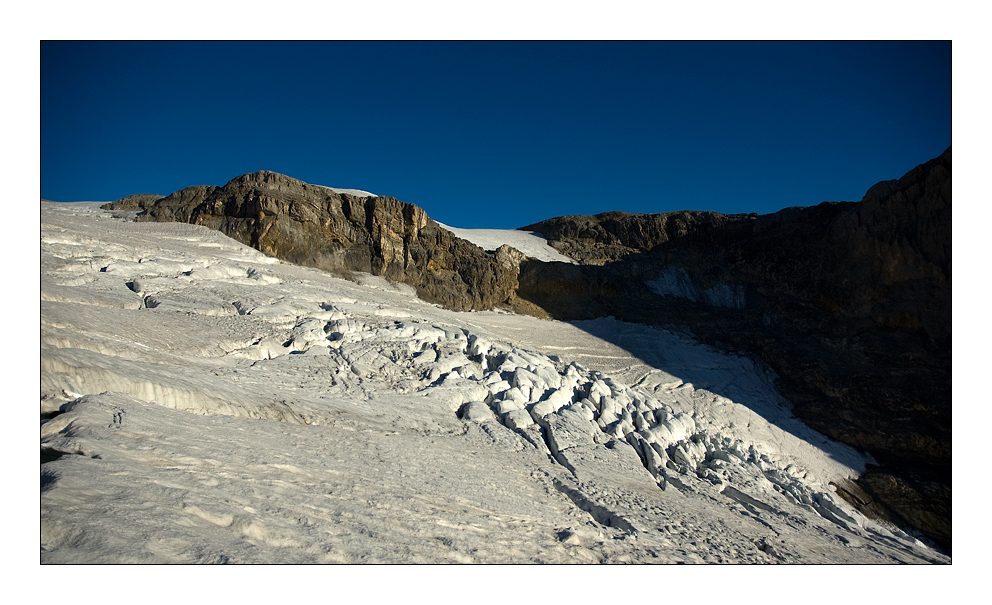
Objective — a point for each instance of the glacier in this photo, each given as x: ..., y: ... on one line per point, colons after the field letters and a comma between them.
x: 204, y: 403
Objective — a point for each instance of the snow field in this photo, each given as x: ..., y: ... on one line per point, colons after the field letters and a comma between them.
x: 531, y: 244
x: 208, y: 404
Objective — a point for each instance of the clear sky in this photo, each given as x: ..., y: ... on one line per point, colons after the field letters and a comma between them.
x: 498, y: 134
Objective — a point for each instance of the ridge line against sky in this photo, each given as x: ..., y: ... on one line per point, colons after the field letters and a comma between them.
x: 498, y: 134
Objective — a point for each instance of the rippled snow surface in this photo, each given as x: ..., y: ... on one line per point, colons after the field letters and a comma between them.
x: 204, y: 403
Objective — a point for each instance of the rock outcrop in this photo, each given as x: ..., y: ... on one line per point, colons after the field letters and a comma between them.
x: 611, y: 236
x: 340, y: 233
x: 138, y: 201
x: 848, y: 302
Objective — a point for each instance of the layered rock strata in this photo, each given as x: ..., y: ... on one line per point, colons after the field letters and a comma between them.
x: 317, y: 227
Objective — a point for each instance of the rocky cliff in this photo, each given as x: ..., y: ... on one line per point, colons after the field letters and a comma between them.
x: 849, y: 303
x: 338, y: 232
x: 138, y: 201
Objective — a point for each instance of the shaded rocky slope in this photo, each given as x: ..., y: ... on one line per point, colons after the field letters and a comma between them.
x: 848, y: 302
x: 314, y: 226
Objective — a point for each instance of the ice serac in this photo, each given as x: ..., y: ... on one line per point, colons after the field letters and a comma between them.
x: 338, y: 232
x: 848, y: 302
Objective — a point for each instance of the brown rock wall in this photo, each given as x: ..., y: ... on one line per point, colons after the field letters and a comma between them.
x: 315, y: 226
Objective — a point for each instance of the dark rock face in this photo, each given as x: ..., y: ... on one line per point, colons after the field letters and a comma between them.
x: 317, y: 227
x: 611, y: 236
x: 848, y: 302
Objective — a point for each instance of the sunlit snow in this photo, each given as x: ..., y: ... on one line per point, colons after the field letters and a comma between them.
x: 209, y: 404
x: 530, y: 243
x: 354, y: 192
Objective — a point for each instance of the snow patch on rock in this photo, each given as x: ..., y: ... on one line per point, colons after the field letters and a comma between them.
x: 530, y: 243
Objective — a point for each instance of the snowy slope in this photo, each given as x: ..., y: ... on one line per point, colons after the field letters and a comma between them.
x: 528, y: 242
x: 354, y: 192
x: 210, y: 404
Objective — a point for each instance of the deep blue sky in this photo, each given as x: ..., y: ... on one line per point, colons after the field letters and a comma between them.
x: 498, y: 134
